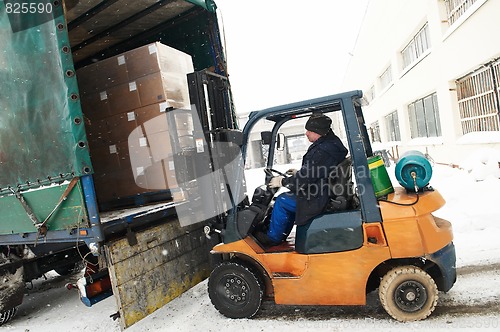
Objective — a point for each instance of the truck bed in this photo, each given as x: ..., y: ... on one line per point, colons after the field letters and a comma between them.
x: 118, y: 223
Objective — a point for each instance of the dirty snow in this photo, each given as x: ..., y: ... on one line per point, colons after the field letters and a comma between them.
x: 472, y: 304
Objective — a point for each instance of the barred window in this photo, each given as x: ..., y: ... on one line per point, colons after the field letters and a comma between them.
x: 416, y: 47
x: 392, y: 124
x: 478, y: 95
x: 424, y: 117
x: 370, y: 94
x: 385, y: 78
x: 375, y: 132
x: 456, y: 8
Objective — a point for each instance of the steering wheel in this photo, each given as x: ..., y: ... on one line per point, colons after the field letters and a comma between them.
x: 270, y: 171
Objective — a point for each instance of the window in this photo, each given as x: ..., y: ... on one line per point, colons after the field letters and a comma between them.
x: 478, y: 96
x: 297, y: 146
x: 416, y: 47
x: 370, y: 94
x: 375, y: 132
x: 392, y: 124
x: 424, y: 117
x: 456, y: 8
x: 385, y: 78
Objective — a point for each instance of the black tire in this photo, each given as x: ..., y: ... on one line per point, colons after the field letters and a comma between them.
x: 7, y: 315
x: 235, y: 290
x: 12, y: 287
x: 408, y: 293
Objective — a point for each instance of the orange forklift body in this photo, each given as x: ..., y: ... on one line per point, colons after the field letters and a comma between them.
x: 340, y: 278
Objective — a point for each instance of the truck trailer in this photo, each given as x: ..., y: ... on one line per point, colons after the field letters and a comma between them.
x: 64, y: 203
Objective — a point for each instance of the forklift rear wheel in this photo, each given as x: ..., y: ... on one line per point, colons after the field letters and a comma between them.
x: 235, y: 290
x: 408, y: 293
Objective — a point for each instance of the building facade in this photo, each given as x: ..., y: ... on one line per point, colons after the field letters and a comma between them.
x: 430, y: 75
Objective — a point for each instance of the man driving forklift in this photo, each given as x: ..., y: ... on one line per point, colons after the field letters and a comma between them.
x: 358, y: 244
x: 309, y: 186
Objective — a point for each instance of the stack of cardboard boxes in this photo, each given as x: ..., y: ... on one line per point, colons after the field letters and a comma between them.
x: 125, y: 100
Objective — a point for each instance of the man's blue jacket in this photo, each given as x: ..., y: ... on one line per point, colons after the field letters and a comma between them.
x: 310, y: 183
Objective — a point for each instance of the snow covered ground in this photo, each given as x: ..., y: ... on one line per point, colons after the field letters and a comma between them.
x: 472, y: 304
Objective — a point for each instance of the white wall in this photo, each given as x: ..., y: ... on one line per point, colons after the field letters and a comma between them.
x: 387, y: 28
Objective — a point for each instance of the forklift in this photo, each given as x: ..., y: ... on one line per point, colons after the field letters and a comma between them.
x: 361, y: 243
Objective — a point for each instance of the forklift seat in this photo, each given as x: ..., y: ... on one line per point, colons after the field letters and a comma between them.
x: 330, y: 232
x: 340, y: 227
x: 341, y: 187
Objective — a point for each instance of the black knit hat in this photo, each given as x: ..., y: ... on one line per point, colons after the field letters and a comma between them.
x: 320, y: 124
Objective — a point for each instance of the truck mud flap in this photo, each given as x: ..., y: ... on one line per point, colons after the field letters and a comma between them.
x: 166, y: 261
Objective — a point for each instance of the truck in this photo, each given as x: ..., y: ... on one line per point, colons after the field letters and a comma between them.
x: 53, y: 216
x: 148, y: 247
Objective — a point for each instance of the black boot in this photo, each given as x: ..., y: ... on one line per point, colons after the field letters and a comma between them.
x: 263, y: 238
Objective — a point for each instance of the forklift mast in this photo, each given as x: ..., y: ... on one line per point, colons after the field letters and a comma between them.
x: 210, y: 94
x: 217, y: 162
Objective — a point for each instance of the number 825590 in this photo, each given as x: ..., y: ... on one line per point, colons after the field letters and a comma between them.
x: 28, y: 8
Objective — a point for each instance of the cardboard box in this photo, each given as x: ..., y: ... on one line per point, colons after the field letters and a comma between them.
x: 157, y: 123
x: 89, y: 80
x: 160, y: 69
x: 131, y: 184
x: 123, y: 98
x: 159, y: 145
x: 118, y: 184
x: 154, y: 119
x: 157, y: 57
x: 144, y: 151
x: 161, y: 87
x: 95, y: 105
x: 146, y: 113
x: 185, y: 130
x: 123, y: 171
x: 113, y: 71
x: 105, y: 159
x: 161, y: 175
x: 98, y: 133
x: 102, y: 75
x: 123, y: 155
x: 121, y: 126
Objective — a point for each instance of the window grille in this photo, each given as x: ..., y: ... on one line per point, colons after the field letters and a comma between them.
x: 416, y: 47
x: 375, y: 132
x: 392, y: 123
x: 456, y: 8
x: 370, y: 94
x: 478, y: 95
x: 386, y: 78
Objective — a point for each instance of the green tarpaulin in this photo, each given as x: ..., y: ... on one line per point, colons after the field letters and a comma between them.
x: 42, y: 137
x: 207, y: 4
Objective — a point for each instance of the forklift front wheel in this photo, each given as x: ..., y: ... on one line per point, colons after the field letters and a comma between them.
x: 235, y: 290
x: 408, y: 293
